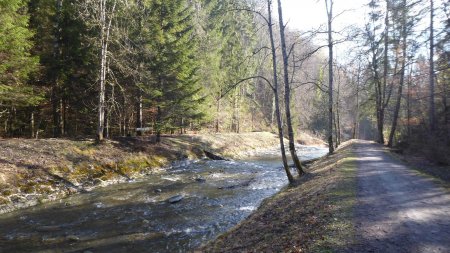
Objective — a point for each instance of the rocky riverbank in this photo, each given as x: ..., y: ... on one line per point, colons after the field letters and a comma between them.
x: 37, y: 171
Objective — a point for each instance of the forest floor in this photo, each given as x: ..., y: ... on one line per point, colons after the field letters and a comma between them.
x: 36, y: 171
x: 360, y: 199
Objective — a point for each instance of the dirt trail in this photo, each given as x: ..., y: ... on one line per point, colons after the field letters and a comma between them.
x: 398, y: 210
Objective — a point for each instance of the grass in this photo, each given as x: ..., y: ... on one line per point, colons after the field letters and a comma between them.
x: 339, y: 230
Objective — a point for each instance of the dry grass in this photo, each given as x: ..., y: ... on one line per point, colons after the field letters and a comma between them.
x: 314, y: 216
x: 307, y: 139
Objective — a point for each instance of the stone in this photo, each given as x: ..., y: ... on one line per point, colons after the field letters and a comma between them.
x: 73, y: 238
x: 175, y: 199
x: 200, y: 180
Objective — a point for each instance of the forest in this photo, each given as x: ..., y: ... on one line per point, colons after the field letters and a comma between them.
x: 224, y: 126
x: 106, y: 68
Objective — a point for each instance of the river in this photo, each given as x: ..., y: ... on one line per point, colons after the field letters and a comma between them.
x: 137, y: 216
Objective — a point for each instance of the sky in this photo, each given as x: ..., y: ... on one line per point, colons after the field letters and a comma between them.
x: 309, y: 14
x: 306, y: 15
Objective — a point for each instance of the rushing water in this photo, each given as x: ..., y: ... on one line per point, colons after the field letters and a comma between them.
x: 137, y: 217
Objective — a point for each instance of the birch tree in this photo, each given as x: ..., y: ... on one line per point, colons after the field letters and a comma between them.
x: 100, y: 14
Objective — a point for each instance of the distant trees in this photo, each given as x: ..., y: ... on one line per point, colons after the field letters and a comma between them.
x: 402, y: 86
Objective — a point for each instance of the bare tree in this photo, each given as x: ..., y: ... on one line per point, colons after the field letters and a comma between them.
x: 287, y: 92
x: 432, y: 104
x: 100, y: 13
x: 275, y: 91
x: 329, y: 7
x: 275, y: 86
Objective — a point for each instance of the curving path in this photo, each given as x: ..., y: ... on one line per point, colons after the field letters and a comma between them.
x: 398, y: 210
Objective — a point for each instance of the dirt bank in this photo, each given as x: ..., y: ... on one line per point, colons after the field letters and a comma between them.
x: 304, y: 138
x: 36, y: 171
x: 314, y: 216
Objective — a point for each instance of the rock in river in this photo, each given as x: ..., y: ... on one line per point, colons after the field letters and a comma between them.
x: 73, y: 238
x: 175, y: 199
x: 200, y: 179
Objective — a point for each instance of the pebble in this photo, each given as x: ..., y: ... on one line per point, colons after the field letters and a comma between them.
x: 175, y: 199
x: 73, y: 238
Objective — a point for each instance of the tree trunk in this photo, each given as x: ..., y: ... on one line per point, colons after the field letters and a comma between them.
x: 158, y: 124
x: 217, y: 114
x: 139, y: 121
x: 329, y: 6
x: 32, y: 124
x: 287, y: 93
x: 432, y: 103
x: 55, y: 96
x: 62, y: 116
x: 104, y: 40
x: 276, y: 97
x: 408, y: 104
x: 54, y: 99
x: 402, y: 78
x: 356, y: 133
x: 382, y: 101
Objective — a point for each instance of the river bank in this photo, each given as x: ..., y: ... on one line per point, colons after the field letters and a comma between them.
x: 175, y: 210
x: 313, y: 216
x: 38, y: 171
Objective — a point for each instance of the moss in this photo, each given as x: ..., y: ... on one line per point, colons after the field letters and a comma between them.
x: 7, y: 192
x: 27, y: 189
x: 4, y: 201
x: 43, y: 189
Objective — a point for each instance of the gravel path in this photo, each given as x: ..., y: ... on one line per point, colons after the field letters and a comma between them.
x: 398, y: 210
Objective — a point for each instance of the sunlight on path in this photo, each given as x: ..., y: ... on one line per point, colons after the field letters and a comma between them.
x: 398, y: 210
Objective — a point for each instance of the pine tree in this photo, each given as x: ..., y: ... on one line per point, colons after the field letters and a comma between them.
x: 16, y: 62
x: 17, y: 96
x: 174, y: 88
